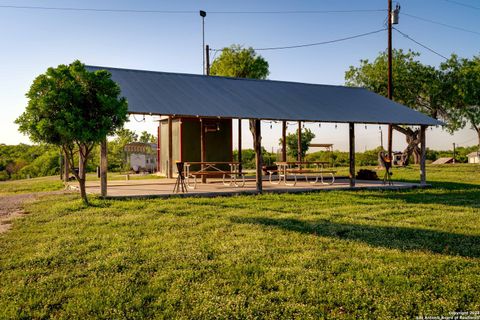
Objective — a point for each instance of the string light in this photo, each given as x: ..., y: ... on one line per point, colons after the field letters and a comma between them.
x: 143, y: 120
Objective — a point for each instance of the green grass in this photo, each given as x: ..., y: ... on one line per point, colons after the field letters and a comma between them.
x: 30, y: 185
x: 367, y: 255
x: 53, y: 183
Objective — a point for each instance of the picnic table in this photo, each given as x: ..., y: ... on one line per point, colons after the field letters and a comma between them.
x: 308, y: 169
x: 215, y: 170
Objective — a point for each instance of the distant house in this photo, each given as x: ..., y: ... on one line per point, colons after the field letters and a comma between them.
x: 447, y: 160
x: 141, y: 157
x: 474, y: 157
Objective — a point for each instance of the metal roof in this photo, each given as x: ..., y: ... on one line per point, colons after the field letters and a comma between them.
x: 163, y: 93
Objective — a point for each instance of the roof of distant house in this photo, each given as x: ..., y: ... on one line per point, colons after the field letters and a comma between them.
x: 443, y: 160
x: 139, y: 147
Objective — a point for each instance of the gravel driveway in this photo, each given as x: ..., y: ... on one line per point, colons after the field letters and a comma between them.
x: 11, y: 207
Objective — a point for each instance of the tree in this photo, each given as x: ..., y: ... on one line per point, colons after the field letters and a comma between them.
x: 239, y: 62
x: 292, y: 142
x: 421, y: 87
x: 464, y: 78
x: 116, y: 158
x: 75, y: 109
x: 146, y: 137
x: 125, y: 136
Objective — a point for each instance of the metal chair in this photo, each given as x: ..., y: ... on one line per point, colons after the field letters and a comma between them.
x: 385, y: 162
x: 180, y: 182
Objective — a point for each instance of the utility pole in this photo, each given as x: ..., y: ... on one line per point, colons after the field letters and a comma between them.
x: 390, y: 81
x: 207, y: 57
x: 392, y: 19
x: 203, y: 14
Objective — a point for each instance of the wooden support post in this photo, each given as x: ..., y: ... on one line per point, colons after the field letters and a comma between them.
x: 159, y: 133
x: 258, y: 155
x: 170, y: 149
x: 203, y: 148
x: 103, y: 167
x: 423, y: 155
x: 390, y: 139
x: 284, y: 141
x: 352, y: 153
x: 240, y: 145
x: 299, y: 142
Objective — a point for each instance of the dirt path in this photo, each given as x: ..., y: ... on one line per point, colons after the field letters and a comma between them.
x: 11, y: 207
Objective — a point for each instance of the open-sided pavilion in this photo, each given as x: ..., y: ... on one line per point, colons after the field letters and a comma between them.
x: 174, y: 95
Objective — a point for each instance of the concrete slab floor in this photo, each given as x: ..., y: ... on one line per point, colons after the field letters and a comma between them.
x: 214, y: 187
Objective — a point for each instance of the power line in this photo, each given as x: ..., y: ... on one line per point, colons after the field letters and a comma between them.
x: 97, y: 9
x: 440, y: 23
x: 420, y: 44
x: 315, y: 43
x: 188, y: 11
x: 462, y: 4
x: 300, y: 11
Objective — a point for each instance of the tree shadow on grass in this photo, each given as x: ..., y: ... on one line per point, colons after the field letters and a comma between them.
x: 451, y: 194
x: 448, y: 185
x: 400, y: 238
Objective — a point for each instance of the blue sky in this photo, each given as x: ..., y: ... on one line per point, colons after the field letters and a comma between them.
x: 33, y: 40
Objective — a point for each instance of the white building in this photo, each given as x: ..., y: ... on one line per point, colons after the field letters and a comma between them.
x: 474, y: 157
x: 141, y: 156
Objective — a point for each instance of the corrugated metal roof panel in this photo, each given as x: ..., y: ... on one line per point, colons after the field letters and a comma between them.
x: 165, y: 93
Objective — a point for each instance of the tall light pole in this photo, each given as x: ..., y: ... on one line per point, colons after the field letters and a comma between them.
x: 203, y: 14
x: 392, y: 19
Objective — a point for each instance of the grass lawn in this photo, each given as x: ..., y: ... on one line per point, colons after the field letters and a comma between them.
x: 30, y: 185
x: 53, y: 183
x: 364, y: 254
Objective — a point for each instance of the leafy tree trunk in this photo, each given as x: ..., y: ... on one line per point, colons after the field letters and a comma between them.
x: 477, y: 129
x: 82, y: 176
x: 84, y: 151
x: 251, y: 123
x: 413, y: 139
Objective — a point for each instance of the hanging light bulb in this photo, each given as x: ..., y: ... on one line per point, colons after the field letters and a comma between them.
x: 365, y: 127
x: 218, y: 126
x: 319, y: 125
x: 270, y: 125
x: 335, y: 126
x: 379, y: 127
